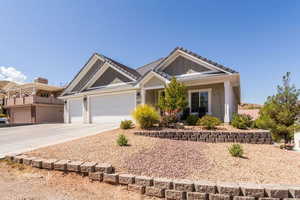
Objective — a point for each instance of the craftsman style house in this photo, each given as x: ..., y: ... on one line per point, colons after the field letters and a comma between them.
x: 107, y: 91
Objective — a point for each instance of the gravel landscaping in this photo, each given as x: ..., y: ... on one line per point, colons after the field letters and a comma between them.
x: 20, y: 182
x: 181, y: 159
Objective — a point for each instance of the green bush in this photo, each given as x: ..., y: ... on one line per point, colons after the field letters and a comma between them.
x: 146, y: 116
x: 166, y: 120
x: 126, y: 124
x: 122, y: 140
x: 242, y: 121
x: 192, y: 120
x: 236, y: 150
x: 209, y: 122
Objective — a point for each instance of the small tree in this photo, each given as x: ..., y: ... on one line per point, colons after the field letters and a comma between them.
x: 280, y: 111
x: 175, y: 98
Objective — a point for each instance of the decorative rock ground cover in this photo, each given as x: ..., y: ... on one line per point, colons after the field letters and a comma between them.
x: 252, y: 137
x: 165, y: 188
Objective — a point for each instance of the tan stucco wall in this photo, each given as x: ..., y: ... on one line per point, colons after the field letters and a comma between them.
x: 49, y: 114
x: 217, y: 98
x: 19, y: 115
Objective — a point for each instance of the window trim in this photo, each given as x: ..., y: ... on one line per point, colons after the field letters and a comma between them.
x: 209, y: 99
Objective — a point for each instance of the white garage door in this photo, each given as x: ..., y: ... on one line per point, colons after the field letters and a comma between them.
x: 111, y: 108
x: 76, y: 111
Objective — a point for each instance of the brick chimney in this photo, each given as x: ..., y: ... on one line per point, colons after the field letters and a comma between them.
x: 41, y: 80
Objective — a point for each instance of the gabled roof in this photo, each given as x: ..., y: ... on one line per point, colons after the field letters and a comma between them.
x: 139, y: 73
x: 129, y: 71
x: 148, y: 67
x: 203, y: 59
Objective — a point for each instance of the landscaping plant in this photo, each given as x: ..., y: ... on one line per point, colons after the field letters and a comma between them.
x: 236, y: 150
x: 122, y: 140
x: 192, y: 120
x: 175, y: 99
x: 146, y: 116
x: 241, y: 121
x: 126, y: 124
x: 280, y: 111
x: 209, y: 122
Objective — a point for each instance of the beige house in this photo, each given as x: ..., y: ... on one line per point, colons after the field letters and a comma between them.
x: 33, y: 103
x: 105, y: 90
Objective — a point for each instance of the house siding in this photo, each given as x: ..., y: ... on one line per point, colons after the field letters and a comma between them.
x: 182, y: 65
x: 153, y: 82
x: 217, y: 98
x: 96, y: 66
x: 108, y: 76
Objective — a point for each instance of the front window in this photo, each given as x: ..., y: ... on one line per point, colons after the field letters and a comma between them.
x: 200, y: 101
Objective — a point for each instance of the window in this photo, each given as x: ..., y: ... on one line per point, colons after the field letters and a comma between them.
x: 200, y: 99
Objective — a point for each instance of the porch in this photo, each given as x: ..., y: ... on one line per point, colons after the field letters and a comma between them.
x: 218, y: 98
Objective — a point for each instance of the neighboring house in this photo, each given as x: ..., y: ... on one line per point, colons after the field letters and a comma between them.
x: 34, y: 103
x: 107, y: 91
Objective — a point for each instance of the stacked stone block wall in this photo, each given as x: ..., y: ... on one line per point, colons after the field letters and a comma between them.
x: 252, y: 137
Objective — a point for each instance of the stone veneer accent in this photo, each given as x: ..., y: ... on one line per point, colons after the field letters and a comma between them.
x: 162, y: 187
x: 252, y: 137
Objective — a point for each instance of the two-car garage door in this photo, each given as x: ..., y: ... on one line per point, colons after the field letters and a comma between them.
x: 110, y: 108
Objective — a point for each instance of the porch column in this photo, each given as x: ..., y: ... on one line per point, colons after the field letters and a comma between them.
x: 88, y: 108
x: 84, y: 113
x: 66, y: 111
x: 143, y: 94
x: 227, y: 101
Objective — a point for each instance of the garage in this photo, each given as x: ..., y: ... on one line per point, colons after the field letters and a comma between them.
x: 76, y: 110
x: 21, y: 115
x: 112, y: 107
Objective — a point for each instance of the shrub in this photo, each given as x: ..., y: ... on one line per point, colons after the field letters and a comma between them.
x: 236, y: 150
x: 126, y: 124
x: 192, y: 120
x: 167, y: 119
x: 122, y: 140
x: 146, y: 116
x: 209, y: 122
x: 242, y: 121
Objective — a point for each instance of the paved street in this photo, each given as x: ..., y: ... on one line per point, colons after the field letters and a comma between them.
x: 26, y: 138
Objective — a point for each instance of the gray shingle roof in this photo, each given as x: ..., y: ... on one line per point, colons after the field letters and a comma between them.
x: 129, y: 71
x: 148, y: 67
x: 204, y: 59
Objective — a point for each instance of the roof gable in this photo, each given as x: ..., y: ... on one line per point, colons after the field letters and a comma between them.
x: 195, y: 57
x: 182, y: 65
x: 110, y: 76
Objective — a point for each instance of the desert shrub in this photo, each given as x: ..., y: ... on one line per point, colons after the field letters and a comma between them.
x: 167, y: 119
x: 146, y: 116
x: 209, y: 122
x: 192, y: 120
x: 126, y: 124
x: 236, y: 150
x: 122, y: 140
x: 241, y: 121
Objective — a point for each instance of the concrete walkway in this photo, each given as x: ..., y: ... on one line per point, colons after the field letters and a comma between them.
x: 26, y: 138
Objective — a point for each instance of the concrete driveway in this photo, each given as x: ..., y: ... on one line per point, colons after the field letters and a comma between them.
x: 26, y: 138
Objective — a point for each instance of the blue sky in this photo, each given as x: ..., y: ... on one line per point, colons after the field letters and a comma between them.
x: 54, y: 39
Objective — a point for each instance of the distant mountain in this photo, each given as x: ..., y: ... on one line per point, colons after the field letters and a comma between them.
x: 250, y: 106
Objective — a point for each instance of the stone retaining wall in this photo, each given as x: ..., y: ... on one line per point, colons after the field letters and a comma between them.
x: 165, y: 188
x: 252, y: 137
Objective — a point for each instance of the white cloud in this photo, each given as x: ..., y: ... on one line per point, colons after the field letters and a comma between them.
x: 11, y: 74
